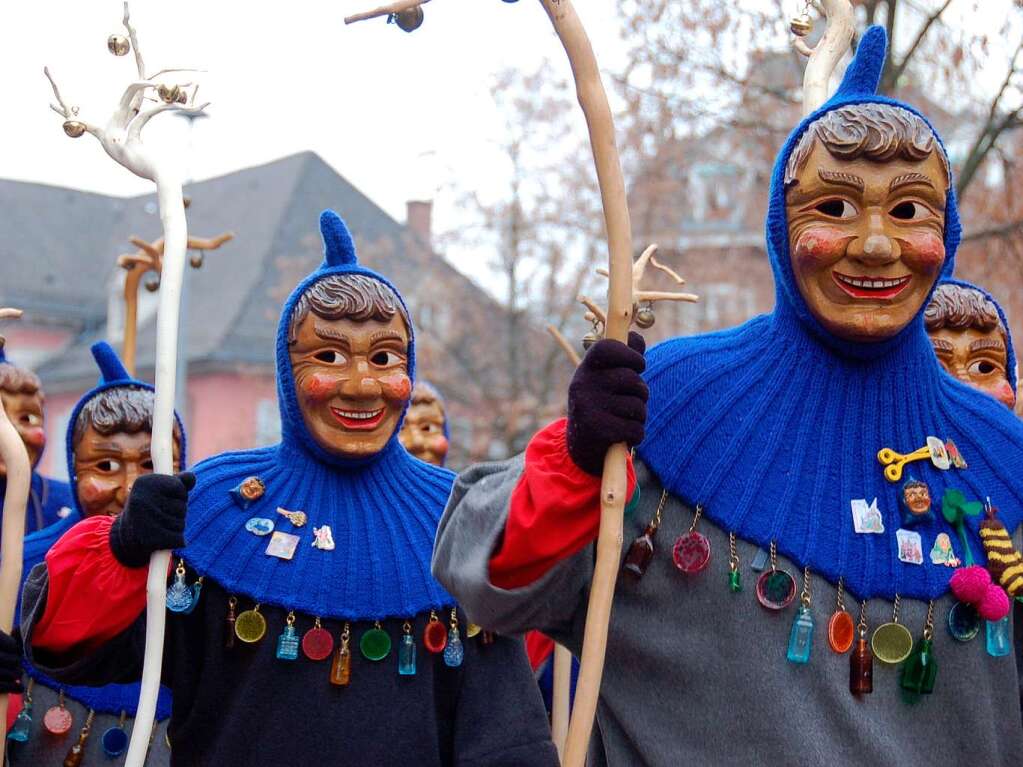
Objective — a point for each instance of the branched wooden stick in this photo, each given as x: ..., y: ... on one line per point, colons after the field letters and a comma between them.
x: 563, y: 342
x: 385, y: 10
x: 639, y: 271
x: 824, y: 57
x: 19, y: 478
x: 121, y: 139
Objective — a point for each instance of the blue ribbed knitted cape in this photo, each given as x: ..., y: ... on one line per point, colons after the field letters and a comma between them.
x: 383, y: 510
x: 111, y: 698
x: 774, y: 426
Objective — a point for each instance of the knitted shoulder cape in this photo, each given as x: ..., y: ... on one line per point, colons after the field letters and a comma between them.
x: 774, y: 426
x: 383, y: 511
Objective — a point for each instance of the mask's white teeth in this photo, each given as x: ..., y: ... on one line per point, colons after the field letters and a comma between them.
x: 358, y: 415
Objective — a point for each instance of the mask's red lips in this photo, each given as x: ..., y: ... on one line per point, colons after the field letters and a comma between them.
x: 871, y: 287
x: 358, y: 420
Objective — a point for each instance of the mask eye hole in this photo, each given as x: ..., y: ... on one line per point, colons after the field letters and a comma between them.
x: 909, y: 211
x: 385, y: 359
x: 331, y: 357
x: 836, y: 208
x: 108, y: 465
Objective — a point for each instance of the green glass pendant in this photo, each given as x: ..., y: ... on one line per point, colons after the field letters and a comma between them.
x: 921, y: 669
x: 735, y: 581
x: 375, y: 644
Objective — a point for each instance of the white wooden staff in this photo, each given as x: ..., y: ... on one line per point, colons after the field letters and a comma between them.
x: 121, y: 138
x: 824, y: 57
x: 19, y: 479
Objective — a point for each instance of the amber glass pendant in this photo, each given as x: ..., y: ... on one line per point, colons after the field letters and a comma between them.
x: 841, y: 628
x: 641, y: 551
x: 232, y: 603
x: 861, y: 661
x: 892, y: 643
x: 341, y: 666
x: 77, y: 753
x: 691, y: 552
x: 775, y: 588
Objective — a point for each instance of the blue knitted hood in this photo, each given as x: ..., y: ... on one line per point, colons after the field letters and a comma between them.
x: 112, y: 375
x: 774, y: 426
x: 382, y: 511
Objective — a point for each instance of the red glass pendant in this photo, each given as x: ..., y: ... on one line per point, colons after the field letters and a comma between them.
x: 317, y: 643
x: 435, y: 636
x: 841, y: 631
x: 57, y: 720
x: 691, y: 553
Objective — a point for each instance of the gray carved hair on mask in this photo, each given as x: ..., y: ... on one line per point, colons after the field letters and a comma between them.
x: 15, y: 380
x: 123, y: 409
x: 958, y: 307
x: 878, y: 132
x: 350, y: 296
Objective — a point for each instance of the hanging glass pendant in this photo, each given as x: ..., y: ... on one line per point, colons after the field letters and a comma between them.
x: 963, y: 622
x: 341, y: 666
x: 22, y: 727
x: 287, y: 642
x: 407, y: 652
x: 77, y: 752
x: 999, y: 638
x: 691, y: 552
x: 317, y: 642
x: 375, y: 644
x: 454, y: 652
x: 435, y: 636
x: 196, y: 591
x: 801, y: 637
x: 734, y: 575
x: 179, y: 595
x: 861, y: 660
x: 892, y: 643
x: 760, y: 560
x: 250, y: 626
x: 231, y: 621
x: 920, y: 670
x: 775, y: 588
x: 115, y: 739
x: 841, y: 632
x: 641, y: 551
x: 57, y: 720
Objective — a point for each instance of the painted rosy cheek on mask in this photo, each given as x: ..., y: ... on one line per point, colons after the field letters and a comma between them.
x: 35, y: 437
x: 396, y: 387
x: 94, y: 491
x: 923, y: 251
x: 1003, y: 393
x: 320, y: 386
x: 821, y: 246
x: 439, y: 444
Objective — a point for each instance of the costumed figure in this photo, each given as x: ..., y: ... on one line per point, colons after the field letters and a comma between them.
x: 424, y: 432
x: 765, y: 444
x: 320, y: 633
x: 108, y: 448
x: 971, y: 339
x: 23, y: 399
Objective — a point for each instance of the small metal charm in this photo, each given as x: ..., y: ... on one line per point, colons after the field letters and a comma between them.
x: 322, y: 538
x: 282, y: 545
x: 408, y: 20
x: 118, y: 45
x: 644, y: 316
x: 152, y: 284
x: 801, y: 25
x: 74, y: 128
x: 297, y: 518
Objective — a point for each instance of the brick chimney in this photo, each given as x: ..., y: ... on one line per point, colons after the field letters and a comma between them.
x: 418, y: 218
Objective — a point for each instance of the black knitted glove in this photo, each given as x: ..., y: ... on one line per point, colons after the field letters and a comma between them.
x: 606, y: 401
x: 10, y: 662
x: 153, y: 519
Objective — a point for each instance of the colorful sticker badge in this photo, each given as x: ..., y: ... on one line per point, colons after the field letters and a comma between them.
x: 297, y: 518
x: 942, y: 553
x: 866, y: 518
x: 954, y: 455
x: 915, y: 500
x: 248, y: 491
x: 911, y: 547
x: 322, y: 538
x: 260, y: 526
x: 282, y: 545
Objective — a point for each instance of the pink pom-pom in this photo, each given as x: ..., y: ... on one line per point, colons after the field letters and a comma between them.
x: 970, y: 584
x: 995, y: 605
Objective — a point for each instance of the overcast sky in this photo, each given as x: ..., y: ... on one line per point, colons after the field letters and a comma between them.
x: 397, y: 114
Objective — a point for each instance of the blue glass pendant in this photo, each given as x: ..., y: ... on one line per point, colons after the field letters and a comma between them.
x: 999, y: 638
x: 196, y: 591
x: 454, y: 652
x: 801, y: 636
x: 115, y: 742
x: 760, y: 560
x: 22, y: 727
x: 179, y: 596
x: 407, y: 656
x: 287, y: 642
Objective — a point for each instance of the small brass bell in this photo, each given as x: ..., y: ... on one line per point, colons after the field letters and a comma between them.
x: 170, y: 94
x: 196, y: 260
x: 118, y: 45
x: 153, y: 284
x: 801, y: 25
x: 74, y: 128
x: 409, y: 20
x: 589, y: 339
x: 645, y: 317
